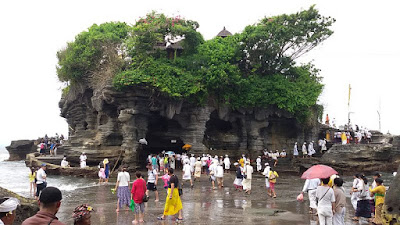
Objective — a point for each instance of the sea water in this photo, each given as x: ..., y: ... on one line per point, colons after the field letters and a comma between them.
x: 14, y: 176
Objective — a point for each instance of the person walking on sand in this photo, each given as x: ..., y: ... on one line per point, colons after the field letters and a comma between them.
x: 259, y: 166
x: 219, y: 174
x: 213, y: 171
x: 122, y: 187
x: 137, y: 193
x: 152, y: 180
x: 197, y: 169
x: 82, y: 160
x: 326, y: 203
x: 248, y: 176
x: 237, y: 183
x: 340, y: 202
x: 187, y: 173
x: 106, y: 164
x: 49, y: 204
x: 227, y: 164
x: 266, y: 174
x: 310, y: 186
x: 272, y: 181
x: 353, y: 191
x: 173, y: 203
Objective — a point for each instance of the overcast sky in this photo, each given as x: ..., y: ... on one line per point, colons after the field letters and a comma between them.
x: 363, y: 52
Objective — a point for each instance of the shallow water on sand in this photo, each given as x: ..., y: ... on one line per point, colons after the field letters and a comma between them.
x: 201, y: 205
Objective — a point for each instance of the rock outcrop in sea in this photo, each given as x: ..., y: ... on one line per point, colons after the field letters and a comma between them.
x: 20, y: 148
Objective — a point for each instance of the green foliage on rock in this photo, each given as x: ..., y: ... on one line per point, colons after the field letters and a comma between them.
x: 255, y: 68
x: 84, y: 55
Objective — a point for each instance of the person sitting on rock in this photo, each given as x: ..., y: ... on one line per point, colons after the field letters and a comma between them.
x: 64, y: 163
x: 8, y: 207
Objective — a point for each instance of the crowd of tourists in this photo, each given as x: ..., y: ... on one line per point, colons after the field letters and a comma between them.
x: 48, y: 145
x: 328, y: 199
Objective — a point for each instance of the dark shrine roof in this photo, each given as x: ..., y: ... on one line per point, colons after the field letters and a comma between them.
x: 224, y: 33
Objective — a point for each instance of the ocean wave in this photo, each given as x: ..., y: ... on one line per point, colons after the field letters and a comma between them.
x: 72, y: 187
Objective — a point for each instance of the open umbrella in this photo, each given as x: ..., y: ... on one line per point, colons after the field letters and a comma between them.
x: 170, y: 153
x: 318, y: 171
x: 186, y: 147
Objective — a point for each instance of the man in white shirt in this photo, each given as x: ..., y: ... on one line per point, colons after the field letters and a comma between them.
x: 204, y: 163
x: 283, y: 154
x: 219, y: 174
x: 123, y: 190
x: 152, y: 178
x: 227, y: 164
x: 266, y: 174
x: 248, y: 172
x: 187, y: 173
x: 192, y: 162
x: 259, y: 166
x: 310, y: 186
x: 83, y: 159
x: 41, y: 180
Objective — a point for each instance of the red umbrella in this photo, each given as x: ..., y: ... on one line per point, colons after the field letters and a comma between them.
x: 318, y: 171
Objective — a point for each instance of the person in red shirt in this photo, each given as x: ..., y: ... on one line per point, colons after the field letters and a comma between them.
x: 137, y: 194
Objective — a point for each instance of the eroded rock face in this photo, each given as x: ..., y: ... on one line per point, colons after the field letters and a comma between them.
x: 363, y: 158
x: 105, y: 123
x: 20, y: 148
x: 28, y: 207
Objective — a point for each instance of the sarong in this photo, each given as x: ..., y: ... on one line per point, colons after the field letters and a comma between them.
x: 173, y: 205
x: 363, y: 209
x: 124, y: 196
x: 246, y: 184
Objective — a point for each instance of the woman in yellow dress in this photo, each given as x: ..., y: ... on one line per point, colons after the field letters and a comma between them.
x: 173, y: 203
x: 32, y: 182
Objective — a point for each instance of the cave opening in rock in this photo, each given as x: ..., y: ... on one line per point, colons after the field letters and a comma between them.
x: 162, y: 135
x: 221, y: 134
x: 281, y: 133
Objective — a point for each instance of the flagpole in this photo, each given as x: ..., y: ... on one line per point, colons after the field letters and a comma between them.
x: 348, y: 107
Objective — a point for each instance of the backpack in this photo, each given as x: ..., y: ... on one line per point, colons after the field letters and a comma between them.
x: 272, y: 176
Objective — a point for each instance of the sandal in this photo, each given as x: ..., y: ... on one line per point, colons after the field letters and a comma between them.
x: 179, y: 220
x: 354, y: 219
x: 160, y: 218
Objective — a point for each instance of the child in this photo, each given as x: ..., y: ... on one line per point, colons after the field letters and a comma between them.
x: 379, y: 193
x: 102, y: 175
x: 272, y: 180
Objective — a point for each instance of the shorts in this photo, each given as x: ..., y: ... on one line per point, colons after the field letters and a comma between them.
x: 212, y: 178
x: 151, y: 186
x: 139, y: 208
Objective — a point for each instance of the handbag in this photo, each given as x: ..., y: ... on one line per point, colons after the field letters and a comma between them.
x: 180, y: 190
x: 145, y: 198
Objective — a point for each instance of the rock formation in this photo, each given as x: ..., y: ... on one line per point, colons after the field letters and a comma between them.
x: 351, y: 158
x: 391, y: 212
x: 19, y: 149
x: 28, y: 207
x: 105, y: 123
